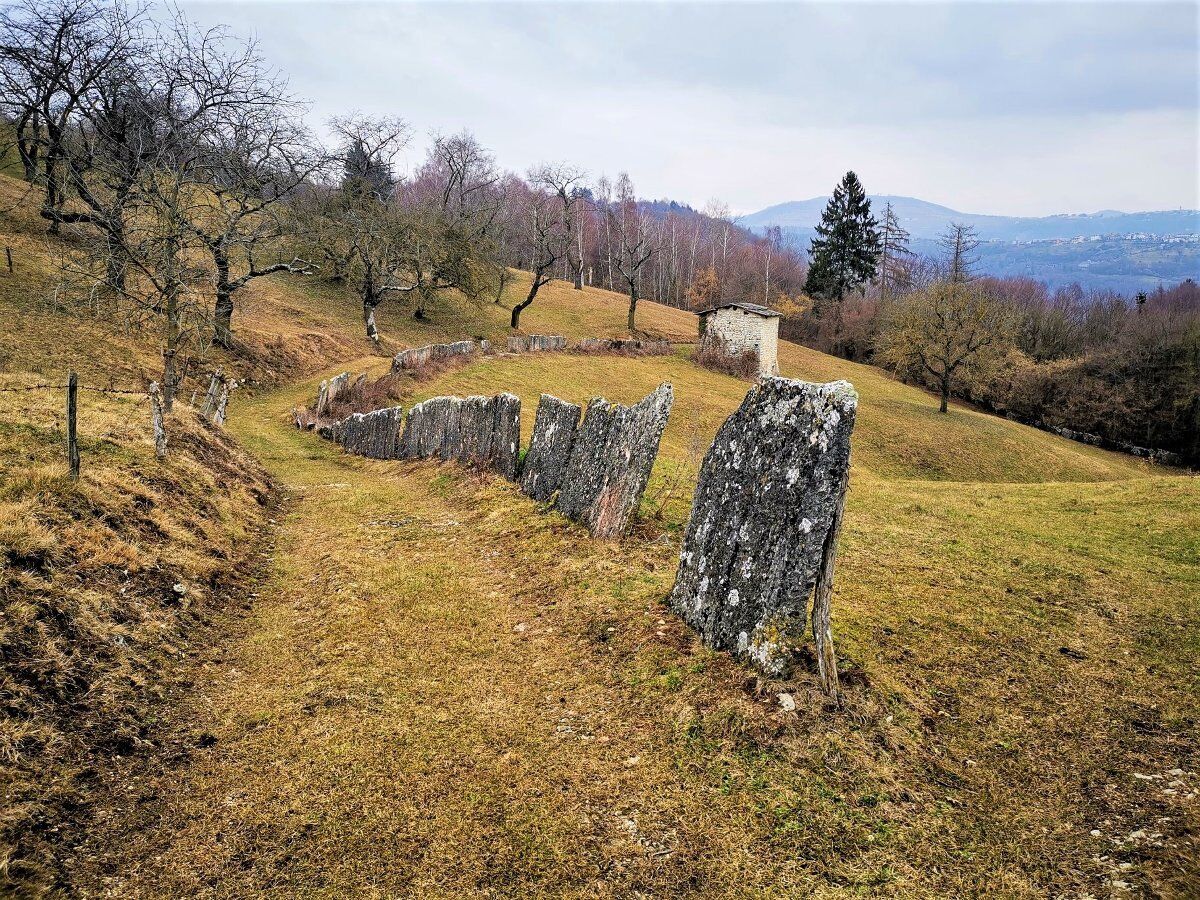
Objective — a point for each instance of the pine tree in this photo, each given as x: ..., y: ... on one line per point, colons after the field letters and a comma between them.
x: 845, y: 253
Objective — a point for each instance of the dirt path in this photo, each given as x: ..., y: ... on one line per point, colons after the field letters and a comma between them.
x: 406, y: 713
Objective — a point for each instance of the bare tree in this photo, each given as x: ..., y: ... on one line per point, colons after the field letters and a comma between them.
x: 633, y: 229
x: 250, y: 166
x: 893, y: 252
x: 53, y: 54
x: 959, y: 243
x: 943, y: 330
x: 565, y: 182
x: 547, y: 243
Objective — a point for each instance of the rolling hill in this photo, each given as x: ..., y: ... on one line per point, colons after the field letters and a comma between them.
x: 418, y: 682
x: 1123, y: 252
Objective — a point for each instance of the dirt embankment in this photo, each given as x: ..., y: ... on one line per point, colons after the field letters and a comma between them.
x: 106, y: 586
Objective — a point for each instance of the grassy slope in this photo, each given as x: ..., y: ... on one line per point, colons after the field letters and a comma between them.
x: 447, y: 691
x: 90, y: 620
x: 381, y: 722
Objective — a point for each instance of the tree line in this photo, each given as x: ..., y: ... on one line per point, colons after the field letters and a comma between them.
x: 1126, y: 371
x: 180, y: 160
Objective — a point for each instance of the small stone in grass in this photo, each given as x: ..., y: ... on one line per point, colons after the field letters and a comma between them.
x: 788, y: 702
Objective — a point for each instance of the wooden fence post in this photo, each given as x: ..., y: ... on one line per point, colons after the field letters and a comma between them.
x: 72, y: 431
x: 156, y: 421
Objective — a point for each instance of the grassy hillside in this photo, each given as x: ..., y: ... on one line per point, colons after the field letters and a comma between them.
x: 104, y: 582
x: 443, y: 689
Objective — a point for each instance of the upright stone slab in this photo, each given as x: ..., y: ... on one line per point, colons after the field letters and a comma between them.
x: 764, y: 523
x: 613, y: 453
x: 425, y: 430
x: 550, y: 447
x: 374, y: 434
x: 506, y: 435
x: 473, y: 438
x: 331, y: 390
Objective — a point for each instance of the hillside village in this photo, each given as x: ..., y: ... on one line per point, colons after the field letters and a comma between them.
x: 545, y: 568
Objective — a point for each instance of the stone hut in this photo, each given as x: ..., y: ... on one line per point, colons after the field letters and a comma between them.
x: 742, y: 327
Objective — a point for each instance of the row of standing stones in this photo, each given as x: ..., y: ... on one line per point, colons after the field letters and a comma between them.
x: 767, y: 511
x: 595, y: 471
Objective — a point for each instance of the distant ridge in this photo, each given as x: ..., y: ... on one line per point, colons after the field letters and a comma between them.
x: 927, y: 220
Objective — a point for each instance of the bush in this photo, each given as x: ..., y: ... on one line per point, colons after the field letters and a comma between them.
x: 714, y: 354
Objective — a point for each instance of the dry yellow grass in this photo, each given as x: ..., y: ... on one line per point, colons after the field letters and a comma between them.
x: 444, y: 690
x: 89, y: 613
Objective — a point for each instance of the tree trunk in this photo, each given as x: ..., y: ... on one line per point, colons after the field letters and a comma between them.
x: 579, y: 275
x: 945, y: 395
x: 633, y: 301
x: 223, y: 319
x: 223, y: 313
x: 116, y: 266
x: 369, y: 318
x: 515, y: 320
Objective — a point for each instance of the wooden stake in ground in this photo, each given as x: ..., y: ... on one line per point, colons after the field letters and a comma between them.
x: 8, y: 255
x: 213, y: 396
x: 72, y: 432
x: 822, y: 597
x: 156, y: 421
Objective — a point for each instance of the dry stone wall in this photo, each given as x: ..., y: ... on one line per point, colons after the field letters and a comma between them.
x: 374, y: 434
x: 534, y: 343
x: 549, y: 447
x: 417, y: 357
x: 479, y: 431
x: 611, y: 458
x: 765, y: 518
x: 628, y: 346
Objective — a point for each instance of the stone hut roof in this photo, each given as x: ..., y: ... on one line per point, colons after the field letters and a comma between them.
x: 754, y: 308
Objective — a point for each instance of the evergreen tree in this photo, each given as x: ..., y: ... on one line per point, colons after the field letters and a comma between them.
x: 845, y: 253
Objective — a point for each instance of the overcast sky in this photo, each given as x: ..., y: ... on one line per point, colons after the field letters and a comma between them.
x: 1013, y: 108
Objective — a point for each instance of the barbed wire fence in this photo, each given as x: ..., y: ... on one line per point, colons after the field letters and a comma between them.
x: 213, y: 409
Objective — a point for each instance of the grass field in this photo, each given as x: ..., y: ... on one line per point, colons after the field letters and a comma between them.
x: 437, y: 688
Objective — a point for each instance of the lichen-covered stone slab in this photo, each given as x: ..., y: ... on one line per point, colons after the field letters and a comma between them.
x: 331, y: 390
x: 613, y: 453
x: 429, y: 427
x: 550, y: 447
x: 506, y: 435
x: 764, y: 521
x: 375, y: 434
x: 479, y: 431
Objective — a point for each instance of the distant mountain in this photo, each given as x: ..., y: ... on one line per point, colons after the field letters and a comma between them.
x: 1124, y: 252
x: 928, y: 220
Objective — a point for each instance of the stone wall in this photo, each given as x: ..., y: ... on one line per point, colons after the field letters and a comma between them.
x: 549, y: 447
x: 533, y: 343
x: 417, y: 357
x: 596, y: 472
x: 765, y: 518
x: 623, y: 345
x: 374, y: 434
x: 611, y: 458
x: 478, y: 431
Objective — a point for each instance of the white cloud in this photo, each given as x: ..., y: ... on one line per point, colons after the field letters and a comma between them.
x: 1006, y: 108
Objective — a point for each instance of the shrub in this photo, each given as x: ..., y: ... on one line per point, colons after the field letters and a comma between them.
x: 715, y: 354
